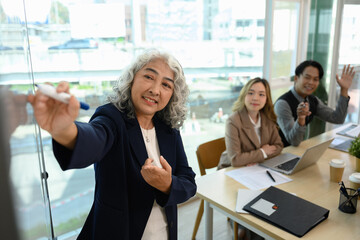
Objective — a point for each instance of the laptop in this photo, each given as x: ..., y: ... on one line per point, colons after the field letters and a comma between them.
x: 289, y: 163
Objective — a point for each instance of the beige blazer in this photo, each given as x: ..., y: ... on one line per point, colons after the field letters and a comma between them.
x: 242, y: 143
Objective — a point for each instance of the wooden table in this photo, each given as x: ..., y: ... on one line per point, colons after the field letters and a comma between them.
x: 219, y: 192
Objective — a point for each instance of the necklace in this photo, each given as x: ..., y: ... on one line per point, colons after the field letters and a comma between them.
x: 147, y: 135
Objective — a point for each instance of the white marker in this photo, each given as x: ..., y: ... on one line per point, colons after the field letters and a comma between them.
x: 50, y: 91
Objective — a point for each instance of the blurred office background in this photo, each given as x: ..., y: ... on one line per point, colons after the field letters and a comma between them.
x: 221, y: 44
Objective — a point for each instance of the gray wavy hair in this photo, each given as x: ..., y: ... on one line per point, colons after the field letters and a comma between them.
x: 174, y: 113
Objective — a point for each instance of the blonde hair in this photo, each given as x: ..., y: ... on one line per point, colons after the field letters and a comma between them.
x: 268, y: 108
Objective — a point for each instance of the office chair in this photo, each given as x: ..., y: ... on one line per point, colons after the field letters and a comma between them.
x: 208, y: 156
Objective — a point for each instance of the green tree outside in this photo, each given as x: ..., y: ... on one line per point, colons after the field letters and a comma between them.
x: 59, y: 14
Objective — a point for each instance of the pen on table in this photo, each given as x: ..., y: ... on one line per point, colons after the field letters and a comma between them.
x: 269, y: 174
x: 50, y: 91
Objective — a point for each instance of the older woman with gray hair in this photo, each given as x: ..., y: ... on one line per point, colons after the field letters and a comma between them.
x: 141, y: 169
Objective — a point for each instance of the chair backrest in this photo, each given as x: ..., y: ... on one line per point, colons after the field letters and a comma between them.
x: 208, y: 154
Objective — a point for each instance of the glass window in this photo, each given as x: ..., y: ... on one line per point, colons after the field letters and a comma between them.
x: 219, y: 44
x: 348, y: 54
x: 26, y: 166
x: 284, y: 45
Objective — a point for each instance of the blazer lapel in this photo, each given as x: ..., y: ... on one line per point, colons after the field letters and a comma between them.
x: 136, y: 140
x: 248, y: 128
x: 264, y: 125
x: 166, y: 141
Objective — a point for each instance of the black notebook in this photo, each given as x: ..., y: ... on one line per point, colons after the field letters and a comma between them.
x: 287, y: 211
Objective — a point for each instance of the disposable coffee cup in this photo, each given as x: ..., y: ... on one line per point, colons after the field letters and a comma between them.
x: 354, y: 180
x: 357, y: 165
x: 336, y: 169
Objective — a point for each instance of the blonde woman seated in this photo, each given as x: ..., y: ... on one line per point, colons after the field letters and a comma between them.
x: 251, y: 134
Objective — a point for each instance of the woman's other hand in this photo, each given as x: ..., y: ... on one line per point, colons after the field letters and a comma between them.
x: 269, y: 149
x: 159, y: 178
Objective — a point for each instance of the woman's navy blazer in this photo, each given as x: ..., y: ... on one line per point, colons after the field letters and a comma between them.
x: 122, y: 199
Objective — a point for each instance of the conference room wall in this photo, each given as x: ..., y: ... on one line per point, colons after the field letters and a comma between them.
x: 23, y: 174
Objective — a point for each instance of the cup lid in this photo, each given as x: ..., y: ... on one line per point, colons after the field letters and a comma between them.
x: 355, y: 177
x: 337, y: 163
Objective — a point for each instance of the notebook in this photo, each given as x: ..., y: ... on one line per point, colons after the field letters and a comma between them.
x: 341, y: 144
x: 352, y: 131
x: 289, y: 163
x: 287, y: 211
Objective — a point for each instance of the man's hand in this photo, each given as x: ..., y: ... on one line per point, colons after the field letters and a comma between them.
x: 159, y: 178
x: 303, y: 112
x: 346, y: 79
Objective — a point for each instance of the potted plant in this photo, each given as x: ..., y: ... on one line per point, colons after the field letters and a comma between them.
x: 355, y: 151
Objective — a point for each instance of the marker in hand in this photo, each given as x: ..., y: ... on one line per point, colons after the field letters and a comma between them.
x: 303, y: 104
x: 50, y: 91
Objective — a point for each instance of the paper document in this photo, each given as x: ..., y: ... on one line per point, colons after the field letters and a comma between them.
x: 354, y: 132
x: 255, y: 177
x: 244, y: 196
x: 337, y: 141
x: 351, y: 131
x: 341, y: 144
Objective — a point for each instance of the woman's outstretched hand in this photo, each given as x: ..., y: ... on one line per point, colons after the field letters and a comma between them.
x: 57, y: 117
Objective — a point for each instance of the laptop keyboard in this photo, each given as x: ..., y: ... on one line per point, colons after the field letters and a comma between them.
x: 288, y: 165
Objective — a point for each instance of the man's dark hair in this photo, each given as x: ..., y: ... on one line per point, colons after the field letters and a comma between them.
x: 301, y: 67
